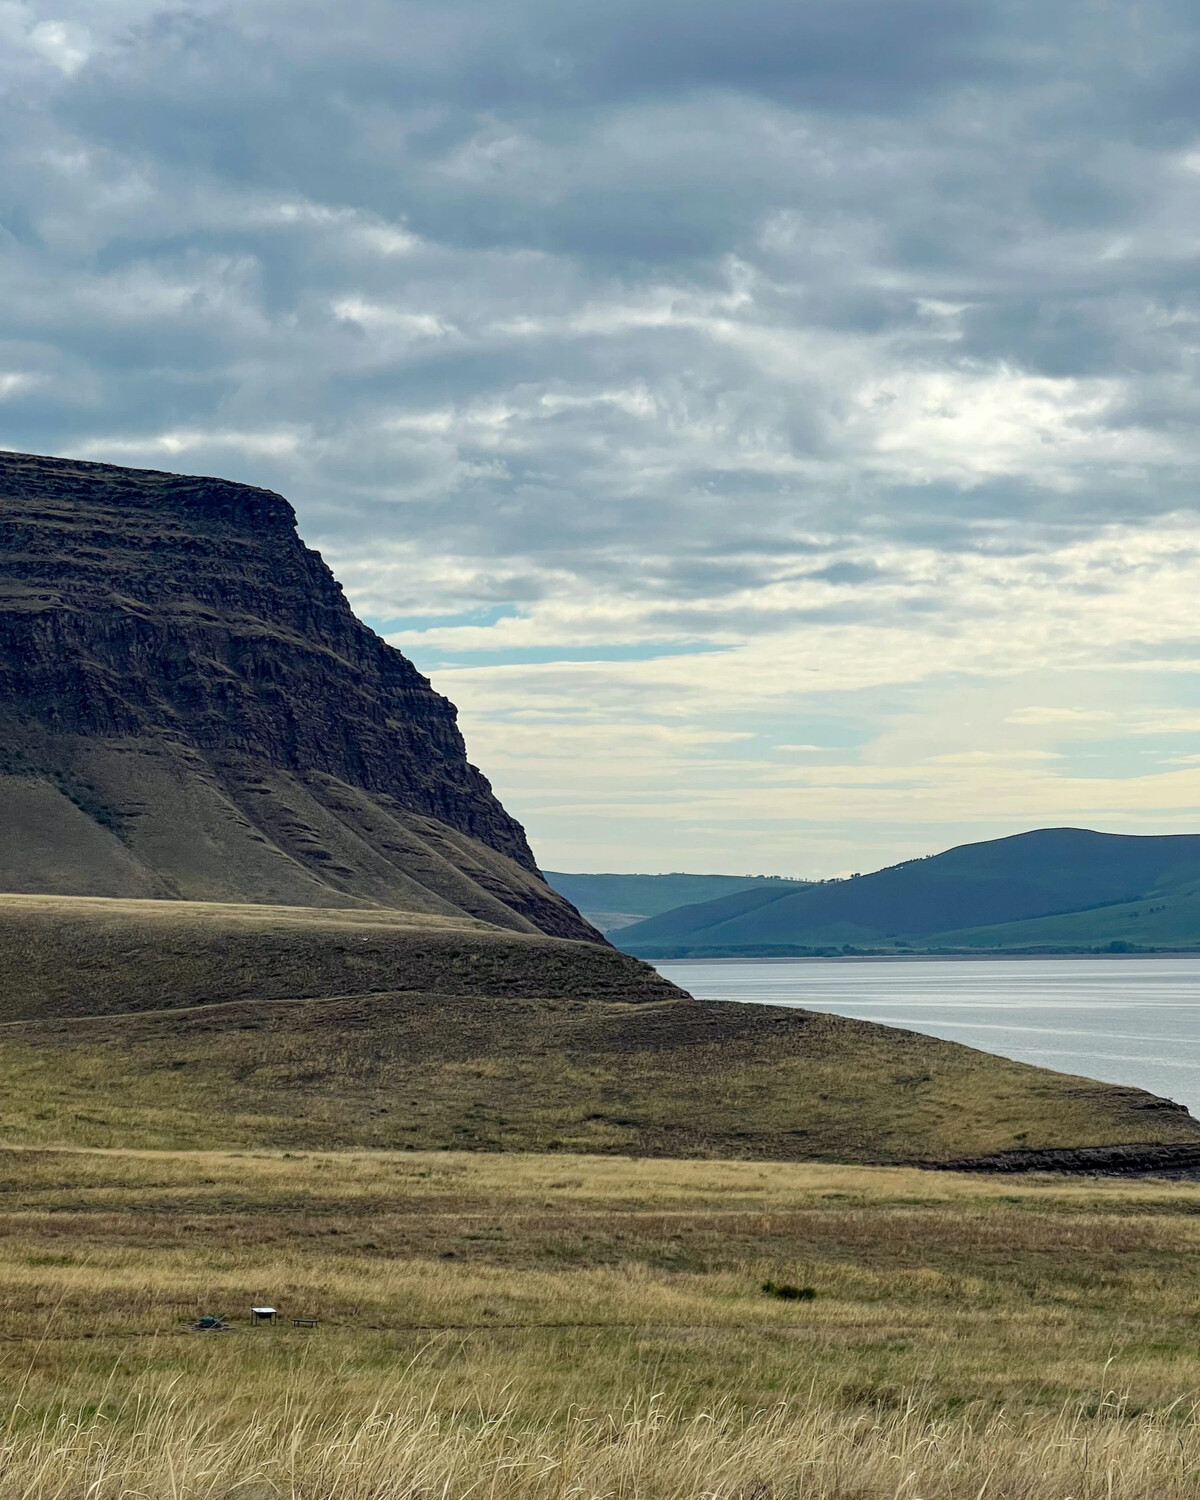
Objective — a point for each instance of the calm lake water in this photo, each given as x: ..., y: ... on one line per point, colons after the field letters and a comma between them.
x: 1126, y: 1020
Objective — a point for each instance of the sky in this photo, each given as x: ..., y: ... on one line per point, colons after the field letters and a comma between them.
x: 772, y: 422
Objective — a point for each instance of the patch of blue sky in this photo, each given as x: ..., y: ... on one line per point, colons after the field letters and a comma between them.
x: 437, y: 658
x: 1123, y: 758
x: 806, y: 735
x: 484, y: 616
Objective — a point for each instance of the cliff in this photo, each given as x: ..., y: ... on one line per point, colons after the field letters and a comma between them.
x: 189, y: 708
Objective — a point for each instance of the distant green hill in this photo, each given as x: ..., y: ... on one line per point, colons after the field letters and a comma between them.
x: 611, y: 902
x: 1059, y: 889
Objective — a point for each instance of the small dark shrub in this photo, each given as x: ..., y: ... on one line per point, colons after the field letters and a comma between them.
x: 787, y: 1293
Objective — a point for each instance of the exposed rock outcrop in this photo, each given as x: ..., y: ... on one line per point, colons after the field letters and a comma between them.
x: 189, y: 708
x: 1149, y: 1159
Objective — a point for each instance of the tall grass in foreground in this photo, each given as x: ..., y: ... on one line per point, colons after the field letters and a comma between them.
x: 158, y: 1445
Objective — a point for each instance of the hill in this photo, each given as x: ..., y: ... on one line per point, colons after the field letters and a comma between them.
x: 190, y: 710
x: 1057, y: 888
x: 188, y: 1025
x: 611, y: 902
x: 86, y: 956
x: 258, y: 894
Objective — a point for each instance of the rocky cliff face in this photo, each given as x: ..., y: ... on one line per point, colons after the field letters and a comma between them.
x: 189, y: 707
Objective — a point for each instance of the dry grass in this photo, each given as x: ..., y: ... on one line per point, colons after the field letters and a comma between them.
x: 474, y: 1071
x: 554, y: 1326
x: 206, y: 1025
x: 407, y: 1447
x: 69, y: 956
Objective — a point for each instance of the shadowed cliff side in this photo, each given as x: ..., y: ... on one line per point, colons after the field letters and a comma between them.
x: 189, y: 709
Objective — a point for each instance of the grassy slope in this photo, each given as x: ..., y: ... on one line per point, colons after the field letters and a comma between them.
x: 538, y: 1326
x: 662, y: 1079
x: 1168, y: 920
x: 137, y: 818
x: 192, y: 1025
x: 78, y: 956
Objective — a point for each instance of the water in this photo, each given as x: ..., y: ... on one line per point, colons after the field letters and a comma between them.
x: 1124, y: 1020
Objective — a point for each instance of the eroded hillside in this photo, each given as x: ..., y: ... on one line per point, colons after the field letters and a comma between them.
x: 189, y: 709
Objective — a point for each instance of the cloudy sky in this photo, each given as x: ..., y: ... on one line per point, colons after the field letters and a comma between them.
x: 772, y: 422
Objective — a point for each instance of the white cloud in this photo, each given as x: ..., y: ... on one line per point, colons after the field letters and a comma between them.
x: 1045, y: 715
x: 281, y: 443
x: 971, y: 425
x: 63, y: 43
x: 16, y: 382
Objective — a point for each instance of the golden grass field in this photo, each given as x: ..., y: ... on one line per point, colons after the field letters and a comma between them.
x: 517, y: 1320
x: 552, y: 1326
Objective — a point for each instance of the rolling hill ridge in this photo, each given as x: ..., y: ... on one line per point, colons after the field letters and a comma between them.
x: 1054, y: 888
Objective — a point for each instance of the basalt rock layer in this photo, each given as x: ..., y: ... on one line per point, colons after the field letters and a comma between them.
x: 189, y: 709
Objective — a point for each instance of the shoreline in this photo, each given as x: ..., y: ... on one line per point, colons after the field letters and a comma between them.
x: 1040, y: 956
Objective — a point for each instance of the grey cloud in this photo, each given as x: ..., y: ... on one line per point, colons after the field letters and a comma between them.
x: 540, y: 55
x: 661, y: 251
x: 849, y: 572
x: 863, y: 53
